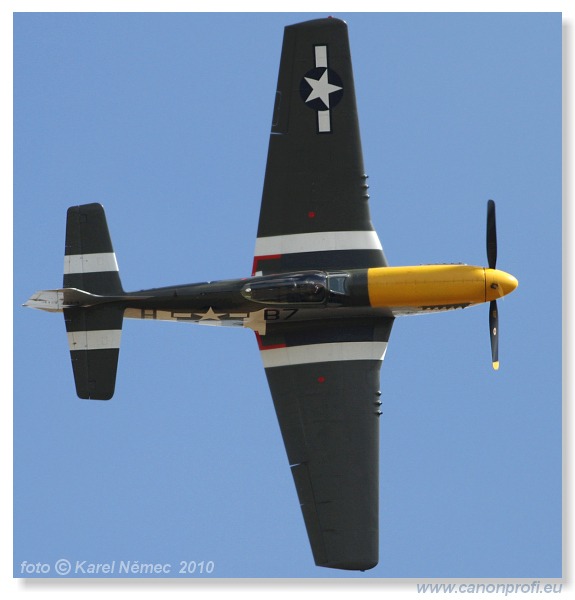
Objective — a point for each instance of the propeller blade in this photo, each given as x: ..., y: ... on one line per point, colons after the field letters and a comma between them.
x: 494, y: 333
x: 491, y: 235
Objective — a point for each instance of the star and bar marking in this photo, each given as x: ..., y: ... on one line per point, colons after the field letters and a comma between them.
x: 321, y: 89
x: 210, y: 315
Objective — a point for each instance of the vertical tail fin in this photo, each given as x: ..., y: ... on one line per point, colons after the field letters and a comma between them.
x: 93, y: 332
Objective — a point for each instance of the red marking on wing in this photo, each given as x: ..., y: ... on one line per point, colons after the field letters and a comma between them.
x: 270, y: 347
x: 257, y: 259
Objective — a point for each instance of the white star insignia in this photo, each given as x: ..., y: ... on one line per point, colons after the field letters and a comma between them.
x: 210, y: 315
x: 321, y: 88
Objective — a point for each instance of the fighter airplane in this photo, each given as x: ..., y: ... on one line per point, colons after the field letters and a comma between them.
x: 321, y: 298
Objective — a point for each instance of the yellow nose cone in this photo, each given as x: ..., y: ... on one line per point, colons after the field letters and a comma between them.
x: 498, y: 284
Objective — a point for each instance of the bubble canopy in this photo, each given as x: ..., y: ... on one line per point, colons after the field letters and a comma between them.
x: 293, y: 288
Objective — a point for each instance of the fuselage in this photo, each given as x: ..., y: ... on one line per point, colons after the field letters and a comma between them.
x: 385, y: 291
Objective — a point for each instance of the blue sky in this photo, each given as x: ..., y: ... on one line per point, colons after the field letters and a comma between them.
x: 164, y: 119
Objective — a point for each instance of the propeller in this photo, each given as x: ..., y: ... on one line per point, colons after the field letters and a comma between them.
x: 493, y: 331
x: 491, y: 235
x: 491, y: 261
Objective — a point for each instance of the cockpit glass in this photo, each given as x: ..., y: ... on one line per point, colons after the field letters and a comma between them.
x: 303, y: 288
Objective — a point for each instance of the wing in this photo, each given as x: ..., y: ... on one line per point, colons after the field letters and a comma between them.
x: 324, y: 379
x: 314, y: 211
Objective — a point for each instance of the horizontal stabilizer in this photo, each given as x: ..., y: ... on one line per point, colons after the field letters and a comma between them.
x: 94, y: 339
x: 90, y: 262
x: 92, y: 300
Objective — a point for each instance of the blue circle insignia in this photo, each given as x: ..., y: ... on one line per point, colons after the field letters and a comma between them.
x: 321, y: 88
